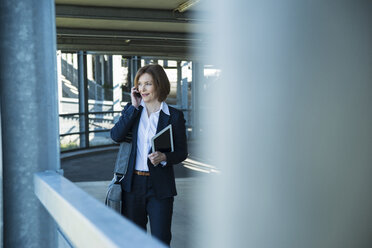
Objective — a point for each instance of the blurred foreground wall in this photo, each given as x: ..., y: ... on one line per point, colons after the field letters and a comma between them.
x: 293, y: 109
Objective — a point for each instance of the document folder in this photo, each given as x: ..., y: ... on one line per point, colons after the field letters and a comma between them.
x: 163, y: 141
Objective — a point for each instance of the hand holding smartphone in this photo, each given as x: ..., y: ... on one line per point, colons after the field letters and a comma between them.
x: 137, y: 94
x: 136, y: 97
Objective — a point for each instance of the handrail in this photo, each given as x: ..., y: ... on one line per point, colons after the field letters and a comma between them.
x: 85, y: 221
x: 91, y: 112
x: 92, y: 120
x: 105, y: 112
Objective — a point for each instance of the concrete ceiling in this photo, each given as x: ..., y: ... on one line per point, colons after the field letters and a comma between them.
x: 129, y: 27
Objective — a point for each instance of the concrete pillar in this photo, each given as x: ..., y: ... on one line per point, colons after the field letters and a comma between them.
x: 292, y: 112
x: 29, y: 109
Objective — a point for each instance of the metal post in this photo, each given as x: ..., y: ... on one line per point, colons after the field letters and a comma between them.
x: 133, y: 69
x: 69, y: 72
x: 165, y: 63
x: 86, y: 103
x: 97, y: 74
x: 184, y: 85
x: 97, y: 77
x: 59, y: 79
x: 179, y: 78
x: 185, y: 99
x: 198, y: 78
x: 138, y: 64
x: 29, y: 109
x: 135, y: 65
x: 102, y: 75
x: 130, y: 72
x: 108, y: 77
x: 81, y: 83
x: 117, y: 79
x: 195, y: 100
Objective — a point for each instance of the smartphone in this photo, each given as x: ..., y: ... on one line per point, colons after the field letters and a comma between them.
x: 137, y: 94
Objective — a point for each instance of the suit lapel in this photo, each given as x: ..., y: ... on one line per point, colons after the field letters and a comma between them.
x: 135, y: 129
x: 163, y: 121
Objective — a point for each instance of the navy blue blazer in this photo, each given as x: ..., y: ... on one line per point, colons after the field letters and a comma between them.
x: 162, y: 177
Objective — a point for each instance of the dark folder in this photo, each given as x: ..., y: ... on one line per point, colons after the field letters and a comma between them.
x: 163, y: 141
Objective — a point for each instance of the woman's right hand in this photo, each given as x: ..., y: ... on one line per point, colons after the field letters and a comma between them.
x: 136, y: 100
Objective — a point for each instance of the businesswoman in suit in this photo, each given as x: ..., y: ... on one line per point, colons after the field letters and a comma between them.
x: 149, y: 184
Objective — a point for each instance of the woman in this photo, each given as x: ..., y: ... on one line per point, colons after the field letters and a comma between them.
x: 149, y: 184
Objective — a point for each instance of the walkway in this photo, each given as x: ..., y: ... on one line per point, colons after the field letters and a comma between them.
x: 93, y: 171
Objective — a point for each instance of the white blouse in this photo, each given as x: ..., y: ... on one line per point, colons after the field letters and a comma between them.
x: 146, y: 130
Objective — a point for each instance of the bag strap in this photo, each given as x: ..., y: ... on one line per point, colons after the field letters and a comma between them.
x: 122, y: 159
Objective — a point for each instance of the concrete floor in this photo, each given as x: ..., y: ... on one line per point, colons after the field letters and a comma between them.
x: 184, y: 212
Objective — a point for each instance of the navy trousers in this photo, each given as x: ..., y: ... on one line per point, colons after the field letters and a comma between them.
x: 141, y: 203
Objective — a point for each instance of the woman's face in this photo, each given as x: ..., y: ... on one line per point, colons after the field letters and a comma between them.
x: 147, y: 89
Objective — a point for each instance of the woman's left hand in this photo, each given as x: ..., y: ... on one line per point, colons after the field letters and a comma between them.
x: 157, y: 157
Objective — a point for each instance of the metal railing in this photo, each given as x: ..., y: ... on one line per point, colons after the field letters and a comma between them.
x: 93, y: 121
x: 87, y: 126
x: 83, y: 220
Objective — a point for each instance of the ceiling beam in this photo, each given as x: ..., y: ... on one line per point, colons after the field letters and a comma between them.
x: 125, y: 14
x: 127, y: 50
x: 122, y: 42
x: 133, y: 47
x: 143, y: 50
x: 67, y: 32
